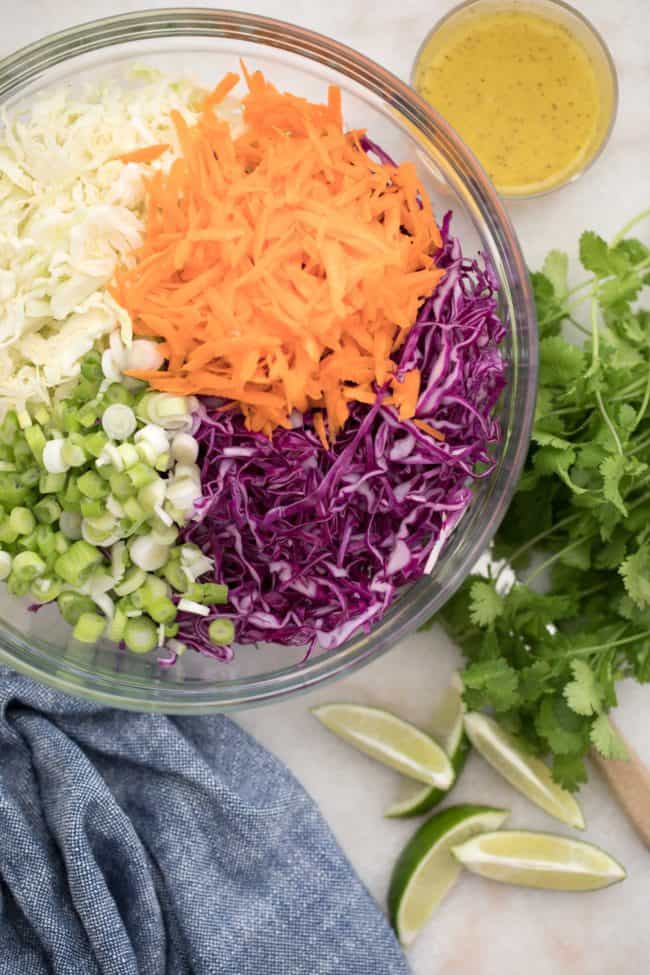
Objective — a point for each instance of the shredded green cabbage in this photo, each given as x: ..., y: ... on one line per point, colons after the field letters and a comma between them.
x: 68, y: 212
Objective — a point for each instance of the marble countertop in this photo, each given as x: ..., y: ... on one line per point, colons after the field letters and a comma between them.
x: 482, y: 928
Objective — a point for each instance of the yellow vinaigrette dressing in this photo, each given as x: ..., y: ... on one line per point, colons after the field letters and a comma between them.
x: 521, y: 90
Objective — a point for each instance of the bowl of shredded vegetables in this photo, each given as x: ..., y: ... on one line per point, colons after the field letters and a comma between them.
x: 267, y: 360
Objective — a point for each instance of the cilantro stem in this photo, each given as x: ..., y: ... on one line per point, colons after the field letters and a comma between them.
x: 556, y: 556
x: 625, y: 229
x: 644, y: 403
x: 595, y: 363
x: 533, y: 541
x: 600, y: 647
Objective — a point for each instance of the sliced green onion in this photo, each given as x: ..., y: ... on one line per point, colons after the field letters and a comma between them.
x: 72, y: 605
x: 184, y: 448
x: 133, y: 579
x: 117, y: 626
x: 73, y: 454
x: 30, y: 477
x: 154, y: 588
x: 53, y: 461
x: 42, y: 415
x: 140, y: 635
x: 61, y: 543
x: 36, y: 440
x: 91, y: 366
x: 100, y: 530
x: 118, y: 394
x: 190, y: 606
x: 9, y: 428
x: 114, y: 507
x: 119, y: 560
x: 91, y: 508
x: 92, y: 486
x: 12, y: 493
x: 28, y: 565
x: 45, y: 589
x: 147, y: 553
x: 89, y: 627
x: 120, y: 485
x: 221, y: 632
x: 162, y: 610
x: 209, y: 593
x: 118, y: 421
x: 175, y: 576
x: 168, y: 411
x: 152, y: 495
x: 88, y: 415
x: 133, y: 510
x: 71, y: 423
x: 94, y: 443
x: 45, y: 539
x: 111, y: 455
x: 7, y: 535
x: 140, y: 474
x: 5, y: 564
x: 165, y: 534
x: 24, y: 419
x: 17, y: 585
x: 22, y: 521
x: 154, y: 437
x: 75, y: 564
x: 70, y: 524
x: 51, y: 483
x: 47, y: 511
x: 129, y: 455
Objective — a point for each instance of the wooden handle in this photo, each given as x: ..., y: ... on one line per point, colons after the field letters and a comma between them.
x: 630, y: 783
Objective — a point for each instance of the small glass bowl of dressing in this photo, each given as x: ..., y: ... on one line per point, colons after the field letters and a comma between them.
x: 529, y: 85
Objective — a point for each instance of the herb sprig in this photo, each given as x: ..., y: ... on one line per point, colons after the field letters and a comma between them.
x: 547, y: 658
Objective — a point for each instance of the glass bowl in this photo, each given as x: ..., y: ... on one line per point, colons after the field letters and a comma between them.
x: 204, y: 44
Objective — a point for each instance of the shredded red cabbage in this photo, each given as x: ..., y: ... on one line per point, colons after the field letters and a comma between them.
x: 314, y: 543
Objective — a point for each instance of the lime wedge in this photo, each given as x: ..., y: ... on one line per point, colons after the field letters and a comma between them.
x: 524, y: 772
x: 447, y: 730
x: 539, y: 860
x: 389, y: 740
x: 426, y: 869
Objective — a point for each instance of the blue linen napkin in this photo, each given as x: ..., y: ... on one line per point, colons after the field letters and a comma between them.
x: 139, y: 844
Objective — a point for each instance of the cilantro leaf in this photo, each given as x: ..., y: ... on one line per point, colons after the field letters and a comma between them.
x: 613, y: 469
x: 565, y: 732
x: 605, y: 738
x: 485, y: 603
x: 560, y: 362
x: 594, y: 253
x: 582, y: 694
x: 556, y: 269
x: 491, y: 682
x: 569, y: 771
x: 635, y: 571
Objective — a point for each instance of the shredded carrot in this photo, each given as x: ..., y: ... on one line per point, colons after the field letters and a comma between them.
x: 427, y: 428
x: 146, y: 155
x: 282, y: 267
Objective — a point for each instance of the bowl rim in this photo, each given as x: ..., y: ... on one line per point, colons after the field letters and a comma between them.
x: 608, y: 61
x: 28, y: 63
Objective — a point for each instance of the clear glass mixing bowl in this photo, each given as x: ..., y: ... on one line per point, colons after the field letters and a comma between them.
x: 206, y: 43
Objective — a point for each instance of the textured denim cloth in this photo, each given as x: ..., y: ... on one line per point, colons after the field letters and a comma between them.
x: 137, y: 844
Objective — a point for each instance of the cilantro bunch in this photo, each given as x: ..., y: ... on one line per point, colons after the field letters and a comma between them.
x: 546, y: 652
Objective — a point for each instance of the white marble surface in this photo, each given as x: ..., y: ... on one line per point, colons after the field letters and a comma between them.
x: 483, y: 928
